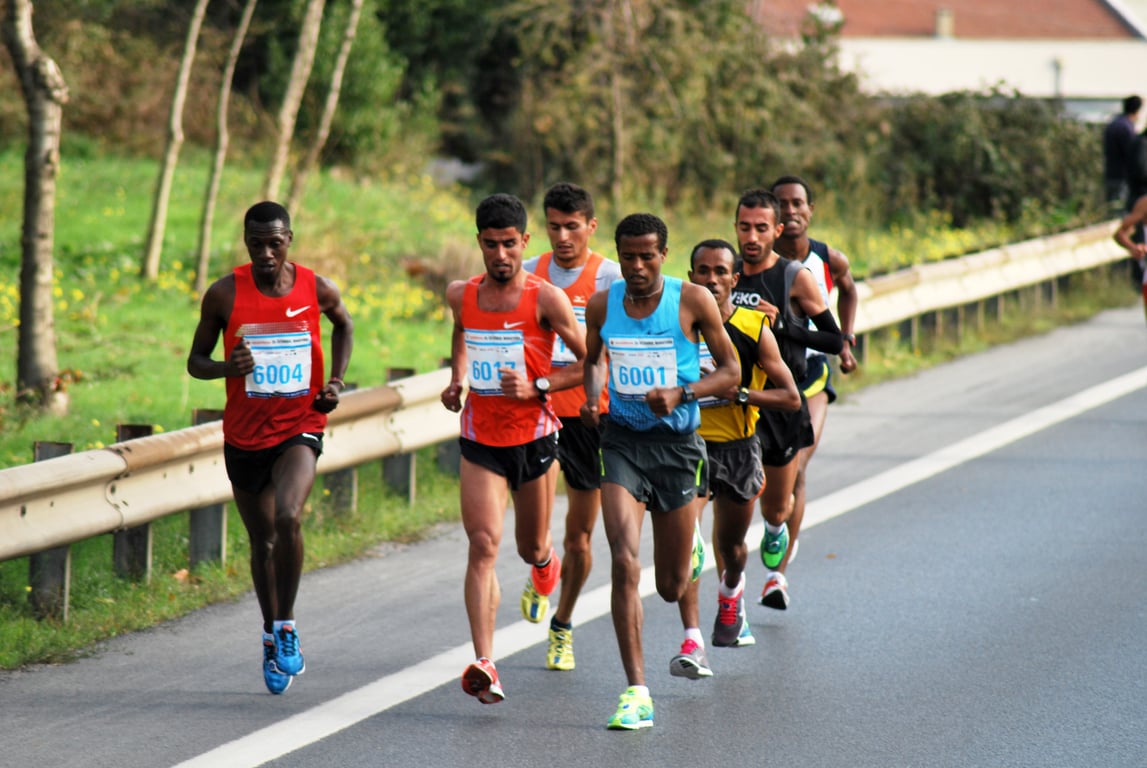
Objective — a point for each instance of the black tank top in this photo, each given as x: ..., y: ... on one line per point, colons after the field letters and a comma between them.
x: 773, y: 285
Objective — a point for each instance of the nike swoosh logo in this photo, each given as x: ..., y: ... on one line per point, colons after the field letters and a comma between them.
x: 300, y: 310
x: 508, y: 325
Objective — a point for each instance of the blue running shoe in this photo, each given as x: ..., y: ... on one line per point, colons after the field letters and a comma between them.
x: 288, y: 658
x: 773, y: 547
x: 276, y: 681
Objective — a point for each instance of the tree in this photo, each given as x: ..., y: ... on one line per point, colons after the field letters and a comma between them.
x: 222, y: 139
x: 293, y: 98
x: 298, y: 181
x: 45, y: 93
x: 150, y: 268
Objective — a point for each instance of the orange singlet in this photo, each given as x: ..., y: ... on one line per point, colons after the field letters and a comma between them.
x: 567, y: 403
x: 497, y: 340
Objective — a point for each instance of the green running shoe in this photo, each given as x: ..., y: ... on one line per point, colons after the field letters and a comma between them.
x: 773, y: 547
x: 698, y: 559
x: 635, y: 711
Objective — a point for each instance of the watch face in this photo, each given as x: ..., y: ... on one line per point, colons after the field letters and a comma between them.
x: 543, y: 384
x: 742, y: 396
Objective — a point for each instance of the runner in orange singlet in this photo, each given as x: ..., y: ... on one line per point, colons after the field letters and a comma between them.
x: 580, y: 272
x: 505, y: 321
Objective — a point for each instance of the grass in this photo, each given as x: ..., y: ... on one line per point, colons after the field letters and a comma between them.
x: 122, y: 345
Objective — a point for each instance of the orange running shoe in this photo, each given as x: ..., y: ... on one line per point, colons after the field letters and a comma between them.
x: 481, y: 681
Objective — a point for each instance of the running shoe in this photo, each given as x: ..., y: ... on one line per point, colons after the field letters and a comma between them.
x: 776, y: 592
x: 542, y: 581
x: 730, y: 619
x: 746, y: 637
x: 691, y: 662
x: 288, y: 656
x: 698, y: 558
x: 773, y: 547
x: 275, y: 680
x: 481, y: 681
x: 560, y: 655
x: 634, y: 711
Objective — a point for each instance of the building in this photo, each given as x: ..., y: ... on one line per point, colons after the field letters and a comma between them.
x: 1089, y: 53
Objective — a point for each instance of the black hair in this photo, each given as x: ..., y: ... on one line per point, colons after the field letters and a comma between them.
x: 716, y: 244
x: 569, y: 198
x: 1131, y: 105
x: 265, y: 213
x: 501, y: 211
x: 760, y: 198
x: 790, y: 179
x: 638, y: 224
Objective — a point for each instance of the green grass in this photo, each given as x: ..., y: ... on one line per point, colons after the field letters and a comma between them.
x: 122, y: 347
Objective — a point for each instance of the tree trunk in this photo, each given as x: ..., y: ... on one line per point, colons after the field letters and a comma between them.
x: 617, y: 116
x: 222, y: 138
x: 45, y: 93
x: 298, y: 182
x: 150, y: 267
x: 293, y: 98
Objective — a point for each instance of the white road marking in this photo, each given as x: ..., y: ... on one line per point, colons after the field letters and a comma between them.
x: 353, y: 707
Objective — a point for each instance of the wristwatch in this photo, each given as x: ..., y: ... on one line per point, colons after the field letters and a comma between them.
x: 543, y: 386
x: 742, y: 397
x: 687, y: 395
x: 850, y: 338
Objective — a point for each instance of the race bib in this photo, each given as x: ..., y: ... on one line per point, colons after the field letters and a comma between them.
x: 637, y: 364
x: 562, y: 355
x: 282, y: 364
x: 707, y: 365
x: 489, y: 352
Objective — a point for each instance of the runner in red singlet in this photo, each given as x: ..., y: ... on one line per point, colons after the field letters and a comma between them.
x: 277, y: 404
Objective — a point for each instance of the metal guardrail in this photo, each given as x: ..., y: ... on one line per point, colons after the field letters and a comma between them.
x: 63, y: 500
x: 67, y: 499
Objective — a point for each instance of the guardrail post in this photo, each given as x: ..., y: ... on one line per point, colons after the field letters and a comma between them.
x: 398, y: 471
x: 449, y: 452
x: 342, y: 484
x: 207, y: 526
x: 131, y: 547
x: 50, y: 571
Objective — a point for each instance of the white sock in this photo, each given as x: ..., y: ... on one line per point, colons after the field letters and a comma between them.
x: 640, y: 690
x: 773, y: 529
x: 279, y: 623
x: 694, y: 634
x: 724, y: 591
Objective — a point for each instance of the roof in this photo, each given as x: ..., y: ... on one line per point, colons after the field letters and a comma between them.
x: 968, y: 19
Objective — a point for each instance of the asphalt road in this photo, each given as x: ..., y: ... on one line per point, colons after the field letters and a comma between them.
x: 968, y: 593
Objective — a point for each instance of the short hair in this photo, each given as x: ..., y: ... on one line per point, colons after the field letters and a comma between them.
x: 1131, y: 105
x: 760, y: 198
x: 791, y: 179
x: 266, y: 212
x: 716, y: 244
x: 569, y: 198
x: 501, y: 211
x: 638, y: 224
